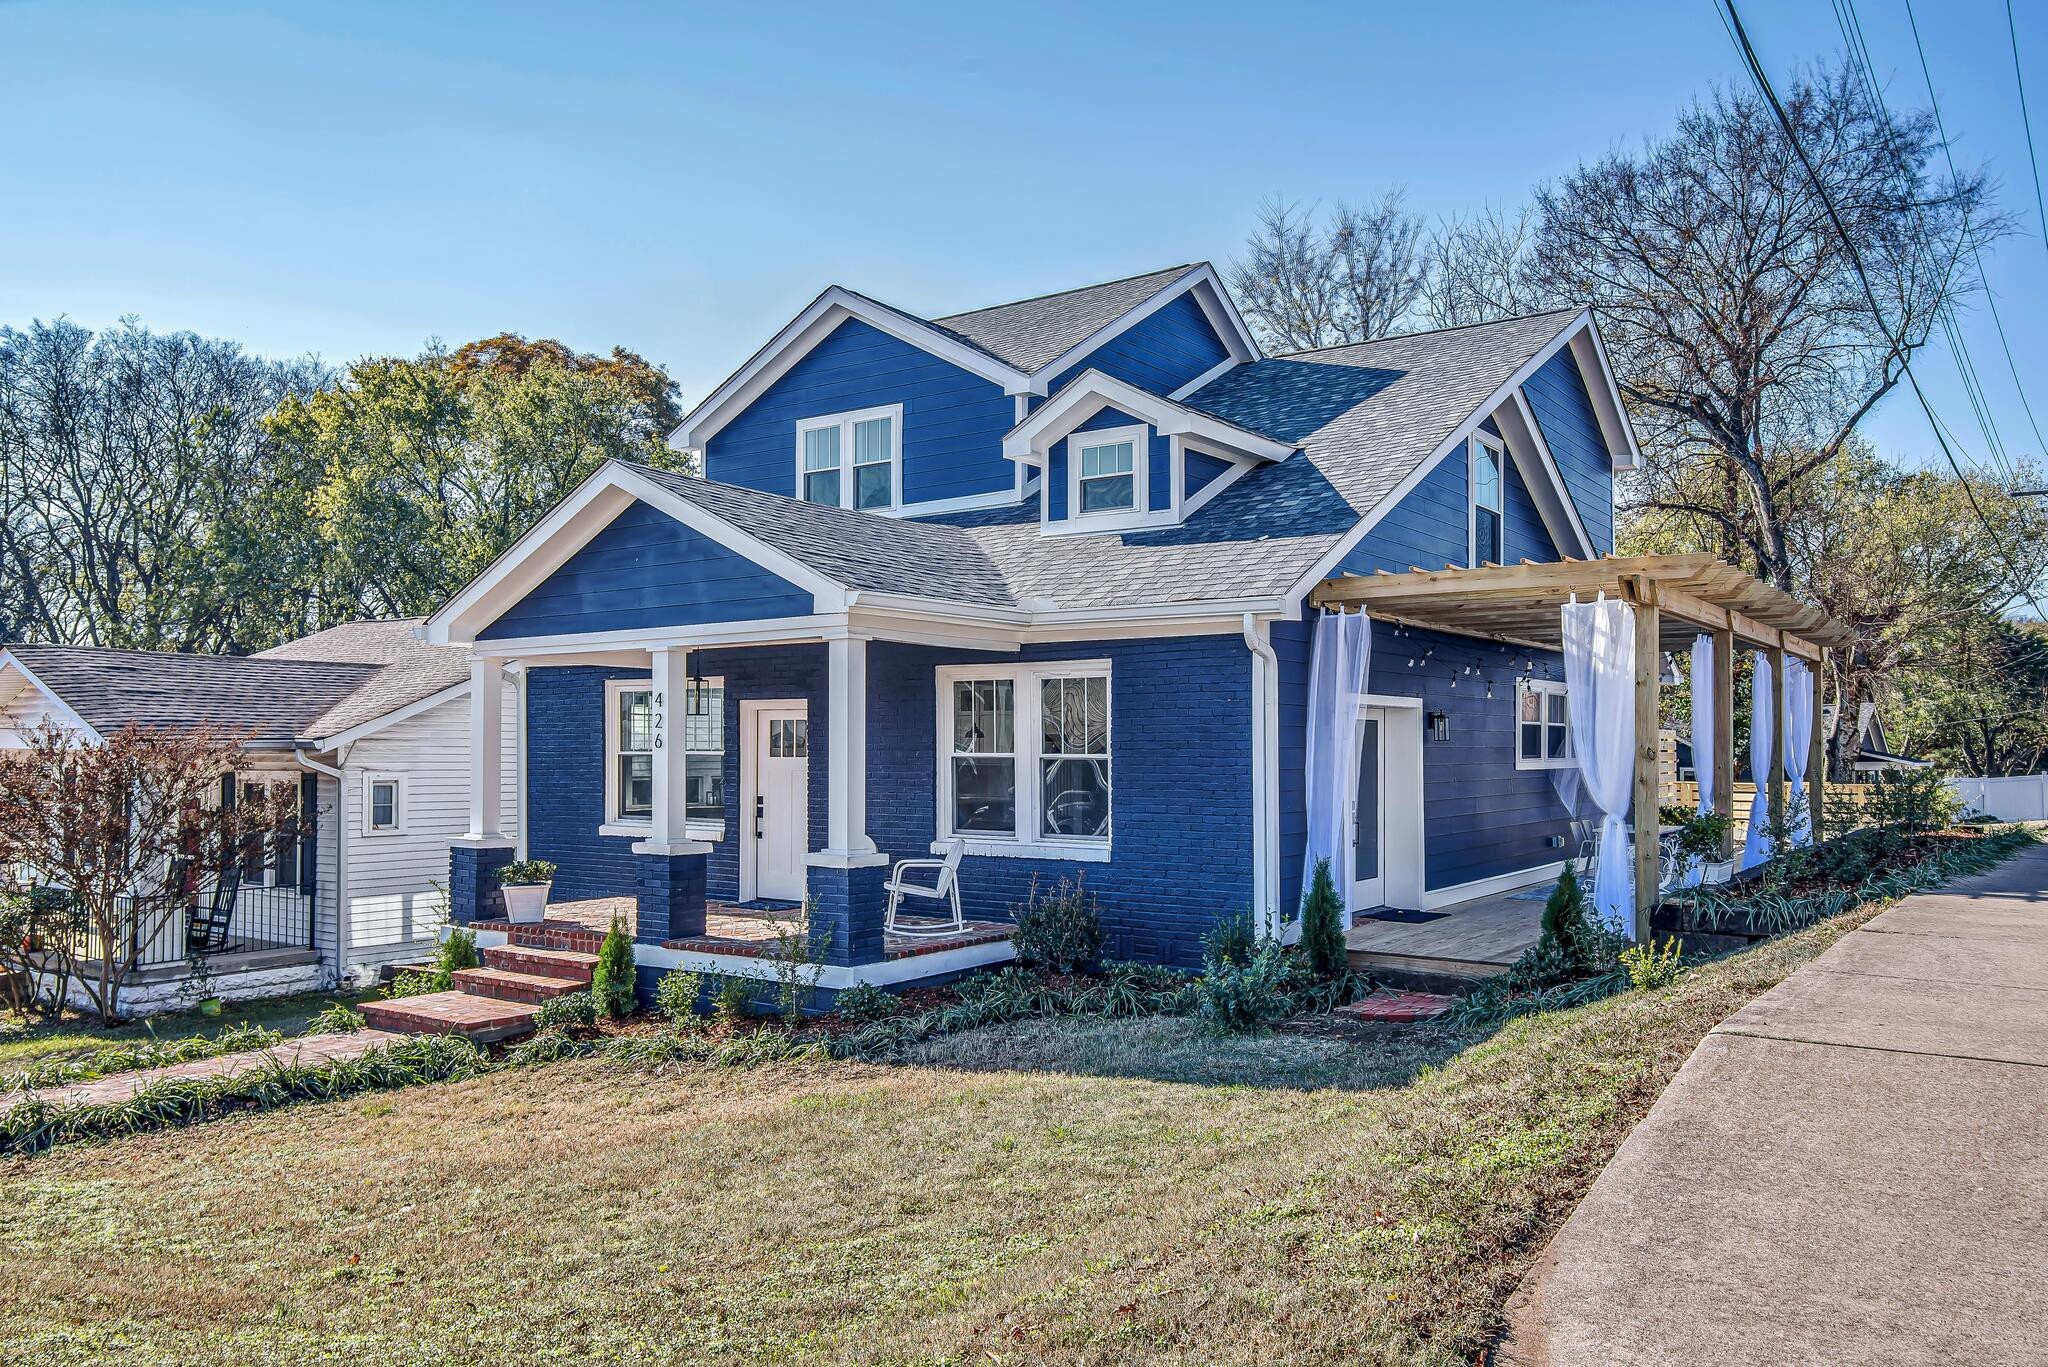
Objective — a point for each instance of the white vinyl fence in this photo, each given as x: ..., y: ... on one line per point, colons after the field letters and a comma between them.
x: 2024, y: 798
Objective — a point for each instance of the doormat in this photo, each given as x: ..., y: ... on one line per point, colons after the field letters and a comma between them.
x: 1398, y: 914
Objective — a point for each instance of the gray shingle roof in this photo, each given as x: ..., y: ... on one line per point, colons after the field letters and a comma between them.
x: 268, y: 700
x: 1364, y: 418
x: 1031, y: 332
x: 411, y: 669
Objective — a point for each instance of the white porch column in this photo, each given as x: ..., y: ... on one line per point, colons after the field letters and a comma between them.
x: 486, y: 749
x: 670, y: 833
x: 846, y: 763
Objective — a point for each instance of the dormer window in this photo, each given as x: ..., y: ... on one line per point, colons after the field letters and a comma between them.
x: 851, y: 460
x: 1106, y: 470
x: 1488, y: 519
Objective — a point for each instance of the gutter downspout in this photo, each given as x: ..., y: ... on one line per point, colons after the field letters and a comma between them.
x: 1265, y: 772
x: 340, y: 859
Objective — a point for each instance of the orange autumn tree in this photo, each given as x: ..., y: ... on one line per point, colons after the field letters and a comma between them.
x: 120, y: 827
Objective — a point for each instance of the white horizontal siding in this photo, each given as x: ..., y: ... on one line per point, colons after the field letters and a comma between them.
x: 398, y: 881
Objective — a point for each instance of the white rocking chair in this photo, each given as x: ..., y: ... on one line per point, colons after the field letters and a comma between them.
x: 946, y: 887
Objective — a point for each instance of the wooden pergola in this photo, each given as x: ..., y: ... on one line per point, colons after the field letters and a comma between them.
x: 1676, y: 598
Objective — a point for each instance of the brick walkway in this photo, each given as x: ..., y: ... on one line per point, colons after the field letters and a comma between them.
x: 307, y: 1049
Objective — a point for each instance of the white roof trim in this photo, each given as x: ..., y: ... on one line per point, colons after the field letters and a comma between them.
x: 396, y: 715
x: 570, y: 526
x: 1323, y: 568
x: 1540, y: 474
x: 812, y: 326
x: 1216, y: 306
x: 1091, y: 391
x: 1615, y: 429
x: 64, y: 710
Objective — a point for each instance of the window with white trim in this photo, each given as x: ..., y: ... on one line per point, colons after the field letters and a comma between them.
x: 633, y: 736
x: 1543, y: 729
x: 383, y: 804
x: 1026, y: 754
x: 1489, y: 479
x: 1106, y: 470
x: 851, y: 460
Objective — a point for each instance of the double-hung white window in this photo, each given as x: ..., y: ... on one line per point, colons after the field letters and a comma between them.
x: 1026, y: 761
x: 383, y: 804
x: 1489, y: 480
x: 1543, y: 730
x: 633, y: 735
x: 1107, y: 467
x: 851, y: 460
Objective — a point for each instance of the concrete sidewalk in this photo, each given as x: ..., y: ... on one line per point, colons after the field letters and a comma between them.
x: 1852, y: 1168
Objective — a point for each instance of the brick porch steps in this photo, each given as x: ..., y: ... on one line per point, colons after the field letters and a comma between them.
x: 547, y: 963
x: 508, y: 986
x: 483, y: 1019
x: 1398, y: 1008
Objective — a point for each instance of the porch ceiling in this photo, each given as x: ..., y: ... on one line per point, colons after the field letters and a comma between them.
x: 1519, y: 603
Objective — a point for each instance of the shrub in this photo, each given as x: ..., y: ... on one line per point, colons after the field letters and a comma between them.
x: 458, y: 951
x: 798, y: 958
x: 1061, y: 931
x: 675, y: 996
x: 1565, y: 924
x: 571, y: 1008
x: 1911, y: 800
x: 1232, y: 939
x: 527, y: 871
x: 1322, y: 924
x: 338, y: 1018
x: 414, y: 983
x: 866, y: 1002
x: 1232, y: 999
x: 1543, y: 964
x: 734, y: 1002
x: 612, y: 982
x: 1652, y: 965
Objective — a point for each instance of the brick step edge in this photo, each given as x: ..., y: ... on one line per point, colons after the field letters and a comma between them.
x: 1398, y: 1008
x: 507, y: 985
x: 483, y: 1019
x: 565, y: 964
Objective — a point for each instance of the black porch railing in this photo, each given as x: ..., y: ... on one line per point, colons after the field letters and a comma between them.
x: 237, y: 919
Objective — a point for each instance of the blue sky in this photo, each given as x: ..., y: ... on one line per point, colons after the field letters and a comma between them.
x: 351, y: 179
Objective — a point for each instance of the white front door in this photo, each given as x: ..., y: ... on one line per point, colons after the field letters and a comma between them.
x: 1369, y: 814
x: 777, y: 828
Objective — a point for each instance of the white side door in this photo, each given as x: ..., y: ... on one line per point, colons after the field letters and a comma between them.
x: 777, y: 829
x: 1369, y: 813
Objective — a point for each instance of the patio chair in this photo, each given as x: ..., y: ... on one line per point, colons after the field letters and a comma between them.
x: 945, y: 887
x: 206, y: 926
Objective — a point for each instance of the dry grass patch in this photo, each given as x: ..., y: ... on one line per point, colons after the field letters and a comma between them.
x: 1083, y: 1191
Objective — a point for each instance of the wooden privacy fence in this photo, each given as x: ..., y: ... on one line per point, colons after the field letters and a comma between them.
x: 1687, y: 795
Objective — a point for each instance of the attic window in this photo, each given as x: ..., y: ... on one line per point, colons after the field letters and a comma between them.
x: 851, y: 460
x: 1106, y: 470
x: 1487, y: 501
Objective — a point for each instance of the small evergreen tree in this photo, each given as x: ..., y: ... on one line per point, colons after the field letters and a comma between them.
x: 1564, y: 920
x: 1322, y: 924
x: 612, y: 982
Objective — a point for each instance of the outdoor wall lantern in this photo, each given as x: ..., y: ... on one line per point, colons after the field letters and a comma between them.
x: 1439, y: 726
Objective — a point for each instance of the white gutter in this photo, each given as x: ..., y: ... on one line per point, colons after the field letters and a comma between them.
x: 340, y: 859
x: 1265, y: 775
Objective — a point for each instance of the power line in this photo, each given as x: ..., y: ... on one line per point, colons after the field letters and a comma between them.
x: 1827, y: 201
x: 2013, y: 36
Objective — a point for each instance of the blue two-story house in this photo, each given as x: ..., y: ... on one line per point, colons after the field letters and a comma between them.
x: 1033, y: 578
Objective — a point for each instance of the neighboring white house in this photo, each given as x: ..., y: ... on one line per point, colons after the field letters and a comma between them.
x: 374, y: 722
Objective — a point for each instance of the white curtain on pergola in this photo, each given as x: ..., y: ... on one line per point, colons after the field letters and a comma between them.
x: 1798, y: 736
x: 1704, y: 741
x: 1599, y: 641
x: 1336, y: 684
x: 1756, y: 843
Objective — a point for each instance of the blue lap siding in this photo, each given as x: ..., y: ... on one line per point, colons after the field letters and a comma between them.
x: 1158, y: 456
x: 1160, y: 352
x: 1557, y: 395
x: 953, y: 420
x: 648, y: 570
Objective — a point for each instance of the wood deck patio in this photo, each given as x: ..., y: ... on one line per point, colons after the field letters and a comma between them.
x: 1469, y: 940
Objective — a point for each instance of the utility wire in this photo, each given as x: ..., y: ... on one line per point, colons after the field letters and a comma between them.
x: 2013, y: 36
x: 1827, y: 200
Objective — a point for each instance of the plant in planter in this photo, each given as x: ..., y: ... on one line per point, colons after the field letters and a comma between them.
x: 1699, y: 838
x: 526, y: 883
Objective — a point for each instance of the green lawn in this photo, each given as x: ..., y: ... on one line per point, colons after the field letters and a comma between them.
x: 1072, y: 1191
x: 24, y: 1044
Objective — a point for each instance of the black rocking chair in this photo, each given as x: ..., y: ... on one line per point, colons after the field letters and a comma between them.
x: 206, y: 929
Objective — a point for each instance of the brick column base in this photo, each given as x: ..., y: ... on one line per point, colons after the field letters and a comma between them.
x: 670, y: 901
x: 846, y: 912
x: 474, y: 893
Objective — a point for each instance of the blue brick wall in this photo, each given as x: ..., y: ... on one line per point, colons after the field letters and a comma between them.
x: 1557, y: 396
x: 646, y: 570
x: 1160, y: 352
x: 953, y: 420
x: 474, y: 893
x: 1482, y: 817
x: 1180, y: 752
x: 670, y: 899
x: 563, y: 788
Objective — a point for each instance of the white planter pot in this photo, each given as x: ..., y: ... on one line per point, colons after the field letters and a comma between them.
x: 1717, y: 872
x: 526, y: 903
